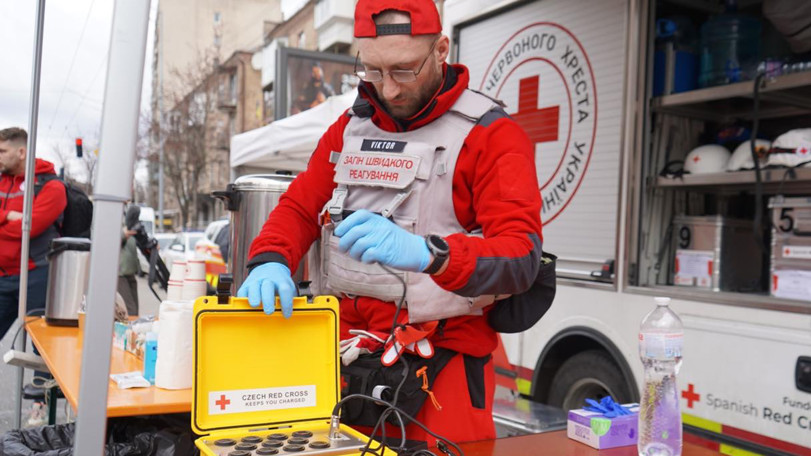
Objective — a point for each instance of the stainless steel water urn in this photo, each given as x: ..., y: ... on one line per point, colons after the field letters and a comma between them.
x: 250, y: 199
x: 68, y: 276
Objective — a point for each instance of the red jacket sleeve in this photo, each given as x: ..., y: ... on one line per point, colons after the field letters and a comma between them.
x: 47, y: 207
x: 293, y: 225
x: 495, y: 188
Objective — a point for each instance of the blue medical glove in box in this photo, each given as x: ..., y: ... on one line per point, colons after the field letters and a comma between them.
x: 600, y: 430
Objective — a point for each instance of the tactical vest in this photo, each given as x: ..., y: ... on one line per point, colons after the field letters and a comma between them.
x: 408, y: 178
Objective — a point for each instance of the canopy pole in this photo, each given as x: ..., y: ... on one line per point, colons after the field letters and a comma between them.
x: 28, y: 200
x: 119, y: 131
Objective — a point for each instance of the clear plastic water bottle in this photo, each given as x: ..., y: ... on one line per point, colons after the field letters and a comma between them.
x: 660, y: 346
x: 730, y: 47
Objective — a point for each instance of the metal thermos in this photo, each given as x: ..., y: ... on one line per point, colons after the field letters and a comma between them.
x: 250, y: 199
x: 68, y: 277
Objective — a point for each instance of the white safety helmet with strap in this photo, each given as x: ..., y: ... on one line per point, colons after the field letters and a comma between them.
x: 710, y: 158
x: 792, y: 148
x: 742, y: 156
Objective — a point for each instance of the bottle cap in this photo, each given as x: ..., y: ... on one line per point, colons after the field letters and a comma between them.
x: 662, y: 300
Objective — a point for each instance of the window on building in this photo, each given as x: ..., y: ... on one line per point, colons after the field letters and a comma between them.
x: 302, y: 40
x: 267, y: 95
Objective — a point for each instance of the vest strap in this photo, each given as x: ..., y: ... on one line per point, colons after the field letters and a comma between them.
x: 335, y: 206
x: 395, y: 203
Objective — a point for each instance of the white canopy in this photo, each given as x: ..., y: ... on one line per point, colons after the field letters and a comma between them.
x: 287, y: 144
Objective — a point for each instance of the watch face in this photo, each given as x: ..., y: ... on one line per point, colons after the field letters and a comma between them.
x: 439, y: 246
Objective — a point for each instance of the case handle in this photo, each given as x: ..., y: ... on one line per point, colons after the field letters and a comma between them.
x: 798, y: 232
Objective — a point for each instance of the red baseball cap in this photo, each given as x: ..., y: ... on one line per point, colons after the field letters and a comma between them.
x: 424, y: 18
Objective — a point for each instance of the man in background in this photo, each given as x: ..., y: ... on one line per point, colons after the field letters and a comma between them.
x: 128, y: 264
x: 47, y: 208
x: 49, y: 203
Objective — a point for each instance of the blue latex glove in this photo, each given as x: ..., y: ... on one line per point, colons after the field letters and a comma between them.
x: 264, y: 283
x: 370, y: 238
x: 607, y: 407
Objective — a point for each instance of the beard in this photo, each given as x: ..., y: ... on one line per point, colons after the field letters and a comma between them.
x: 406, y: 105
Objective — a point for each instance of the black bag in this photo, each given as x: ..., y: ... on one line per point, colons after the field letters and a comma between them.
x: 77, y: 217
x: 366, y: 373
x: 521, y: 311
x: 154, y: 435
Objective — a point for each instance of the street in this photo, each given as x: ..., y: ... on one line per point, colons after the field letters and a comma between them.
x: 8, y: 374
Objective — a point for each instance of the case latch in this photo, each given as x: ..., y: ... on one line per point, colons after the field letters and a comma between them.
x: 224, y: 288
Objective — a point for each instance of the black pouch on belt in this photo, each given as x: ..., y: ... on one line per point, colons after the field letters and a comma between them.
x: 366, y: 375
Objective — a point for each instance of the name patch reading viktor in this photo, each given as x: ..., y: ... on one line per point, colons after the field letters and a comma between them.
x: 382, y: 145
x: 257, y: 400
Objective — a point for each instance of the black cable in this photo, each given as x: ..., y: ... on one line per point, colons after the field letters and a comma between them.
x: 402, y: 297
x: 660, y: 255
x: 336, y: 410
x: 383, y: 416
x: 25, y: 322
x: 391, y: 406
x: 790, y: 172
x: 758, y: 221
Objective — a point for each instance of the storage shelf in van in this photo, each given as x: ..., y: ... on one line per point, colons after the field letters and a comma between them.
x: 753, y: 300
x: 774, y: 180
x: 781, y: 96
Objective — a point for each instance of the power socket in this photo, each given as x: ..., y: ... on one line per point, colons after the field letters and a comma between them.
x: 26, y: 360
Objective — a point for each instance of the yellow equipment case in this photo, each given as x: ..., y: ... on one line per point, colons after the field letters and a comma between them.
x: 264, y: 384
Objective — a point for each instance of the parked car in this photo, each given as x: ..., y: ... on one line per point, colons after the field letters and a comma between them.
x: 181, y: 248
x: 211, y: 246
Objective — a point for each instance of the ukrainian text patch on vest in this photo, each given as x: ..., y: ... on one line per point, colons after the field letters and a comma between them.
x: 377, y: 169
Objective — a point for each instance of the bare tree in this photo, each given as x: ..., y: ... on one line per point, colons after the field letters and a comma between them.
x: 185, y: 130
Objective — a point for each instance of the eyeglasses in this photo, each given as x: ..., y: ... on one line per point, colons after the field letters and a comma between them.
x: 401, y: 76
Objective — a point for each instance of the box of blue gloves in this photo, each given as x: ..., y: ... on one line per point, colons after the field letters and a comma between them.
x: 604, y: 424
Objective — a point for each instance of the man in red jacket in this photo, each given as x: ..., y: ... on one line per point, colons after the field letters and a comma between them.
x: 425, y: 198
x: 48, y: 206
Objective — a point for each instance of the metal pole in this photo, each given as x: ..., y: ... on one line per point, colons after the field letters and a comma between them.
x: 28, y: 198
x: 119, y: 131
x: 160, y: 124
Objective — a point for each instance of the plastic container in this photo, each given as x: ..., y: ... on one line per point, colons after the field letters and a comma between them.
x: 730, y: 48
x: 150, y: 356
x: 660, y: 348
x: 675, y: 59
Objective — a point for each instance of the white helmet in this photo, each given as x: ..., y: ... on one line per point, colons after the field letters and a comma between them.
x: 710, y: 158
x: 742, y: 157
x: 791, y: 148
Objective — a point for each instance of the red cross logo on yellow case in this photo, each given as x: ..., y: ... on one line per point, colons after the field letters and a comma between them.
x: 222, y: 402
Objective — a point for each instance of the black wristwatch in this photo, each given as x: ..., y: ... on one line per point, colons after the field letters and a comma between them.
x: 440, y: 249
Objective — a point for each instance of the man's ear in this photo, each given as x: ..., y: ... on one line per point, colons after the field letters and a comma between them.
x: 443, y: 47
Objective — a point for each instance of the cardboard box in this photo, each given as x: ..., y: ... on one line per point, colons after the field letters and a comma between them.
x: 597, y: 431
x: 120, y: 334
